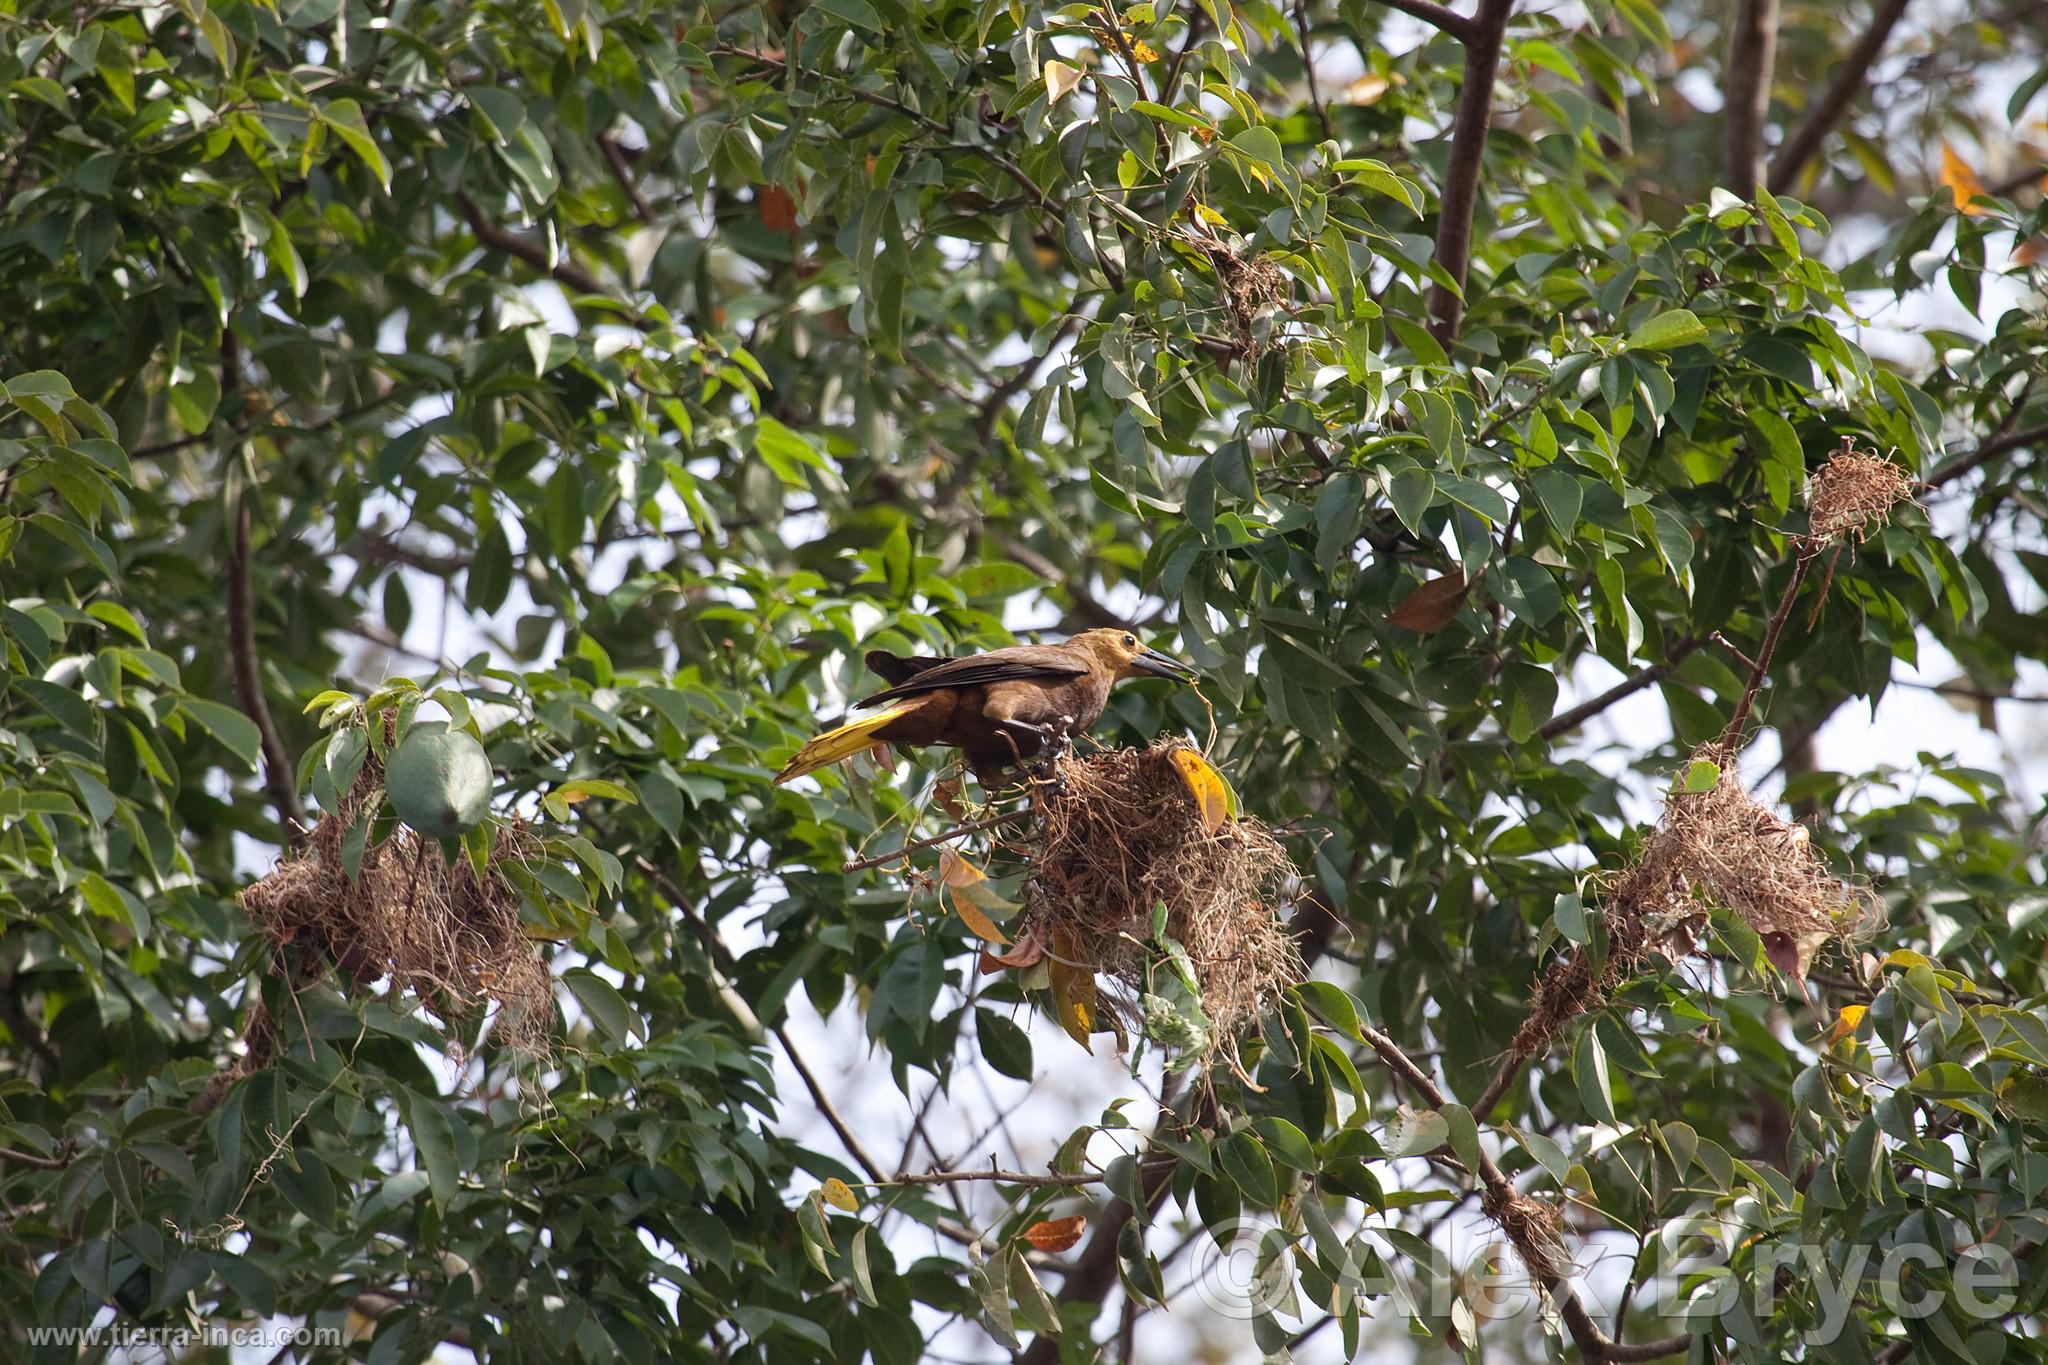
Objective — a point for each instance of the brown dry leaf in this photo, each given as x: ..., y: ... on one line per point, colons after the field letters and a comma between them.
x: 1059, y: 79
x: 1073, y: 986
x: 1845, y: 1023
x: 962, y: 880
x: 839, y: 1196
x: 1206, y: 785
x: 1961, y: 180
x: 2033, y: 249
x: 1367, y: 89
x: 1028, y: 953
x: 947, y: 796
x: 778, y: 209
x: 956, y: 871
x: 1432, y: 606
x: 1056, y: 1234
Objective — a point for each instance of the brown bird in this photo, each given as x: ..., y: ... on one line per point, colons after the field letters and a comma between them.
x: 998, y: 708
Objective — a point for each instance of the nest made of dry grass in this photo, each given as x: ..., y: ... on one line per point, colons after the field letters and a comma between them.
x: 1119, y: 833
x: 1252, y: 284
x: 437, y: 930
x: 1852, y: 495
x: 1717, y: 847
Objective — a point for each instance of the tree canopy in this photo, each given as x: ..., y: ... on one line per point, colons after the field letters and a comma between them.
x: 1437, y: 380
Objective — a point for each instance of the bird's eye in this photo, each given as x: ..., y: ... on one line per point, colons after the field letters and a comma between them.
x: 1131, y: 641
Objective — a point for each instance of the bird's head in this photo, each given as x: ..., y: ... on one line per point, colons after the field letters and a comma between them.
x: 1125, y: 656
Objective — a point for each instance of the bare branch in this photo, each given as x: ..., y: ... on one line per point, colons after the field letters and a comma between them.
x: 1308, y: 67
x: 1482, y: 36
x: 1846, y: 87
x: 278, y: 773
x: 1594, y: 1344
x: 1635, y: 682
x: 1752, y: 58
x: 1437, y: 16
x: 622, y: 171
x: 1086, y: 605
x: 1987, y: 452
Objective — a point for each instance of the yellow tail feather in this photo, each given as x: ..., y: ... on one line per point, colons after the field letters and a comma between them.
x: 844, y: 742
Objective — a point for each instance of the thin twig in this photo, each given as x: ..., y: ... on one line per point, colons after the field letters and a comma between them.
x: 1769, y: 647
x: 1308, y: 66
x: 278, y: 773
x: 1985, y: 453
x: 1087, y: 606
x: 1848, y: 84
x: 1594, y: 1344
x: 1482, y: 35
x: 1635, y: 682
x: 972, y: 827
x: 622, y: 171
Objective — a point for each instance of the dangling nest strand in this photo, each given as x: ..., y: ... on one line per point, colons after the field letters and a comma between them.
x: 438, y: 931
x: 1119, y: 833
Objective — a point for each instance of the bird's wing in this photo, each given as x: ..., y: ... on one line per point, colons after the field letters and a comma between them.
x: 896, y: 668
x: 998, y: 665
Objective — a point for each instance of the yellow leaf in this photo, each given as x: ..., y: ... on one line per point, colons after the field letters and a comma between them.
x: 1073, y: 986
x: 965, y: 888
x: 1206, y: 785
x: 571, y: 798
x: 1059, y: 79
x: 1144, y: 52
x: 1366, y: 89
x: 1845, y: 1023
x: 839, y: 1196
x: 971, y: 915
x: 1211, y: 216
x: 1961, y: 180
x: 955, y: 870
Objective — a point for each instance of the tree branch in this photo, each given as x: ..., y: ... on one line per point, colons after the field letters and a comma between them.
x: 622, y: 171
x: 1437, y: 16
x: 1086, y: 605
x: 278, y: 772
x: 1843, y: 91
x: 1635, y: 682
x: 1752, y: 58
x: 1482, y: 36
x: 492, y: 237
x: 1985, y: 453
x: 1308, y: 67
x: 1594, y: 1344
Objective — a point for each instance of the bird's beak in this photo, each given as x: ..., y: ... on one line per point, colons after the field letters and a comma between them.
x: 1155, y: 664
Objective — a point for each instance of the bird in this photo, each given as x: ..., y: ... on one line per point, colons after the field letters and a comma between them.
x: 998, y: 708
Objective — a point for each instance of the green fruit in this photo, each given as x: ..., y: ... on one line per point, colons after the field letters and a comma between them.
x: 439, y: 781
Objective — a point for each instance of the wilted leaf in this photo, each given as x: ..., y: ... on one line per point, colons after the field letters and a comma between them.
x: 1056, y: 1234
x: 1961, y: 180
x: 838, y: 1195
x: 1059, y: 79
x: 1845, y: 1023
x: 965, y: 884
x: 946, y: 795
x: 1432, y: 606
x: 1367, y: 89
x: 1206, y: 785
x: 1073, y: 986
x: 778, y: 209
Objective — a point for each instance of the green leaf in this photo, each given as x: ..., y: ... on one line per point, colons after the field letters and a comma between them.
x: 1589, y: 1069
x: 1245, y: 1161
x: 227, y: 725
x: 616, y: 1019
x: 1667, y: 331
